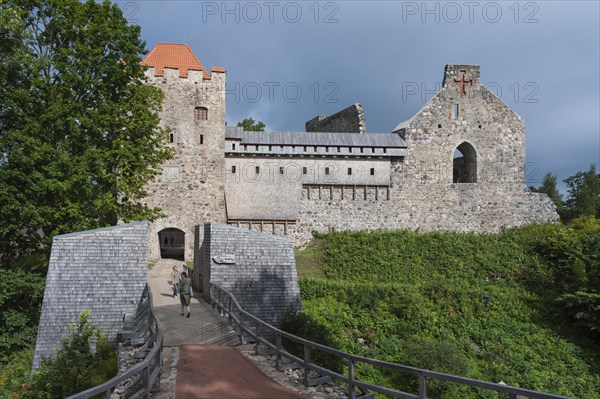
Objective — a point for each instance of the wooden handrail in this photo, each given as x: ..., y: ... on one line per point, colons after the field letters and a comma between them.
x: 227, y: 305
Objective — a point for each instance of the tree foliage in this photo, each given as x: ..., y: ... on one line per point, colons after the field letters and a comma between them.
x: 80, y: 135
x: 584, y: 194
x: 250, y: 125
x: 548, y: 187
x: 20, y: 304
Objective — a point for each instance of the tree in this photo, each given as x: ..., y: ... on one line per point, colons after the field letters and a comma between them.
x: 250, y: 125
x: 80, y: 135
x: 548, y: 187
x: 584, y: 194
x: 20, y: 306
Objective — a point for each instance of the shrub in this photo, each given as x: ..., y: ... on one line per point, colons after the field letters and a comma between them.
x: 77, y: 366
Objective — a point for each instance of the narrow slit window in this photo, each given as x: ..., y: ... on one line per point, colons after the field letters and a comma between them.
x: 372, y: 171
x: 327, y: 170
x: 456, y: 109
x: 304, y: 170
x: 233, y: 169
x: 201, y: 139
x: 257, y: 169
x: 281, y: 170
x: 315, y: 148
x: 339, y: 149
x: 256, y: 148
x: 349, y: 171
x: 232, y: 146
x: 171, y: 138
x: 270, y: 148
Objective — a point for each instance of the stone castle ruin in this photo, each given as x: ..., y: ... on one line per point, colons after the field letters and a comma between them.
x: 457, y: 165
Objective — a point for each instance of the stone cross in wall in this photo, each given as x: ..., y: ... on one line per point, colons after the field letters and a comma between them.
x: 462, y: 82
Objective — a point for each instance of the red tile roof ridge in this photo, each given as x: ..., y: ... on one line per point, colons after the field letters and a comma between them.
x: 174, y: 56
x: 217, y: 69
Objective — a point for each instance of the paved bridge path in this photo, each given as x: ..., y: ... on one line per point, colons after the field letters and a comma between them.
x: 203, y: 365
x: 204, y: 326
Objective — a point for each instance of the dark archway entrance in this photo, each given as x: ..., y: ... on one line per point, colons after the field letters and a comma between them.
x: 465, y: 164
x: 172, y: 243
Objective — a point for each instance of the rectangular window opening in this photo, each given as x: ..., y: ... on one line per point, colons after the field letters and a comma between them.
x: 304, y: 170
x: 372, y: 171
x: 201, y: 139
x: 327, y: 170
x: 257, y: 169
x: 349, y: 171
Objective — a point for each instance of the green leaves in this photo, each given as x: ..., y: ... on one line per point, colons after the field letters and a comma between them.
x: 250, y: 125
x: 20, y: 304
x: 80, y: 136
x: 419, y: 299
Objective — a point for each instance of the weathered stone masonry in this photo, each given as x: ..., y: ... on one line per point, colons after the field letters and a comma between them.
x: 457, y: 165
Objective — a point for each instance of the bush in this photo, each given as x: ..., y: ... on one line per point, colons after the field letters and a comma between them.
x: 513, y: 307
x: 300, y: 324
x: 77, y: 366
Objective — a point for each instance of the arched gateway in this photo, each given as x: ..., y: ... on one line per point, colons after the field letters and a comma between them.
x: 172, y: 243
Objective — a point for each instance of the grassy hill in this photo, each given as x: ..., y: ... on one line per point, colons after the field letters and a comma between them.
x: 504, y: 307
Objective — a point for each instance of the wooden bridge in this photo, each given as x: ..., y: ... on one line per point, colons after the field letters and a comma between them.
x: 200, y: 349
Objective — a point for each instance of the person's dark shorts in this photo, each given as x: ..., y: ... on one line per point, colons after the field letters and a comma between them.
x: 184, y: 299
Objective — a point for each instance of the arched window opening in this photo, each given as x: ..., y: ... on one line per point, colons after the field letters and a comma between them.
x: 465, y: 164
x: 201, y: 113
x: 172, y: 243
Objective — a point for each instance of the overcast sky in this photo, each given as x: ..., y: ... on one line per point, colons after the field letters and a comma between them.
x: 289, y: 61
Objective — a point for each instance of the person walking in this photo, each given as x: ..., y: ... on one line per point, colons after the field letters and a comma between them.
x: 185, y: 292
x: 175, y: 277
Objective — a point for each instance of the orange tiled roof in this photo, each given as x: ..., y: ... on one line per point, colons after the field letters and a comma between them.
x: 176, y: 56
x: 217, y: 69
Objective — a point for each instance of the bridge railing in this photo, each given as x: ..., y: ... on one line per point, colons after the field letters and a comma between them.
x: 251, y: 326
x: 145, y: 335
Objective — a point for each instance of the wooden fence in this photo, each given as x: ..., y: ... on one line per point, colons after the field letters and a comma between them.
x: 248, y: 325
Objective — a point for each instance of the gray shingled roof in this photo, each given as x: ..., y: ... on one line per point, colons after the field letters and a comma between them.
x: 388, y: 140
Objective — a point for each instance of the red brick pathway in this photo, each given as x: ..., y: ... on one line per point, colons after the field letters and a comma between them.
x: 221, y: 372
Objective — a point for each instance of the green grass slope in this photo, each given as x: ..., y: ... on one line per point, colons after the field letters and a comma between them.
x: 486, y: 306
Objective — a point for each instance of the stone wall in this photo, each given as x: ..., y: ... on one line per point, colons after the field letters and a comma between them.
x: 348, y: 120
x: 191, y: 188
x: 259, y: 269
x: 415, y: 189
x: 103, y: 271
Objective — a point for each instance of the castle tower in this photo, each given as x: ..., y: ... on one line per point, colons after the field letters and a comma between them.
x: 190, y: 189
